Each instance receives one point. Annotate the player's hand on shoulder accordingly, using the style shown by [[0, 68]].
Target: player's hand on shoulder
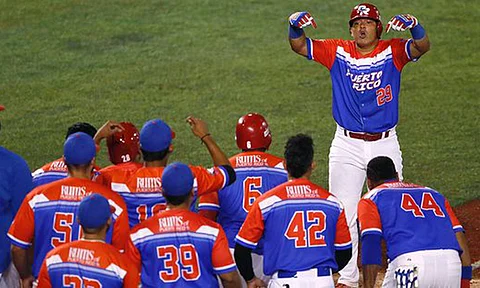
[[198, 126], [255, 283], [302, 20], [401, 22]]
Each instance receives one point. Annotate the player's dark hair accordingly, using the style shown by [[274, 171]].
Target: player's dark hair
[[83, 167], [154, 156], [94, 230], [176, 200], [299, 155], [381, 168], [81, 127]]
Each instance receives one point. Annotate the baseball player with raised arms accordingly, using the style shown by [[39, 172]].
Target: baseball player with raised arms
[[142, 190], [124, 153], [422, 234], [46, 218], [303, 226], [365, 74], [89, 262], [257, 172], [177, 247]]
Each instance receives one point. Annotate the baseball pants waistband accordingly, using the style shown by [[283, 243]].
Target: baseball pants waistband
[[369, 137], [314, 272]]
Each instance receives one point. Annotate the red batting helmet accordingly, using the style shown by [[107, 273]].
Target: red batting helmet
[[367, 10], [124, 146], [252, 132]]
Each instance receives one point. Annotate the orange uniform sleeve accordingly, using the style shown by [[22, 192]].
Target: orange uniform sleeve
[[400, 48], [369, 217], [252, 229], [133, 256], [43, 276], [209, 201], [209, 180], [457, 226], [222, 259], [132, 279], [21, 231], [121, 229], [323, 51], [342, 234]]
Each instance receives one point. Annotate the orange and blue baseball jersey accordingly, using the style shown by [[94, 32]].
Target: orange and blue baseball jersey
[[116, 173], [53, 171], [365, 87], [409, 217], [142, 191], [87, 263], [47, 217], [179, 248], [301, 224], [257, 173]]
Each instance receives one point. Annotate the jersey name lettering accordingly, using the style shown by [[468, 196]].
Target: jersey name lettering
[[364, 82], [301, 191], [145, 184], [73, 192]]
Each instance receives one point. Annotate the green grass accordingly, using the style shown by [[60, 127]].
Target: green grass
[[67, 61]]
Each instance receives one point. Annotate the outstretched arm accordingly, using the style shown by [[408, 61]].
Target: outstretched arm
[[421, 43], [296, 36]]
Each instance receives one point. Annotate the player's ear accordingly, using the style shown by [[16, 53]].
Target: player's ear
[[170, 148], [313, 165]]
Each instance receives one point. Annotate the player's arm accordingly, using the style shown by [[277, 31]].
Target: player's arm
[[466, 260], [371, 237], [108, 129], [296, 35], [209, 214], [20, 260], [420, 44], [200, 129], [343, 242], [230, 279], [462, 242]]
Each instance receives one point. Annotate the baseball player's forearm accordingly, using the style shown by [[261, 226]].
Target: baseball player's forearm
[[299, 45], [420, 46], [369, 275], [231, 280], [342, 257], [218, 157], [20, 260], [462, 241], [243, 258]]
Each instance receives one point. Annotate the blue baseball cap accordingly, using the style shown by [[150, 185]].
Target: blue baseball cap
[[156, 136], [79, 148], [177, 180], [94, 211]]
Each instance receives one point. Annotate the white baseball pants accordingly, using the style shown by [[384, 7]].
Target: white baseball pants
[[348, 161], [302, 279], [436, 268]]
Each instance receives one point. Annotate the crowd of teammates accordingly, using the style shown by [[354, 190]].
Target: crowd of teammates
[[255, 215]]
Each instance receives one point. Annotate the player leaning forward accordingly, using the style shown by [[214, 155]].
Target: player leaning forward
[[365, 75]]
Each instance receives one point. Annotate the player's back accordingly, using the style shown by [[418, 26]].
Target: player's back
[[257, 172], [50, 172], [87, 263], [179, 248], [118, 173], [413, 218], [303, 223], [142, 192], [53, 210], [53, 171]]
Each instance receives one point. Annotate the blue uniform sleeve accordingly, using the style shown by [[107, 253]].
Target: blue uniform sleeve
[[371, 249]]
